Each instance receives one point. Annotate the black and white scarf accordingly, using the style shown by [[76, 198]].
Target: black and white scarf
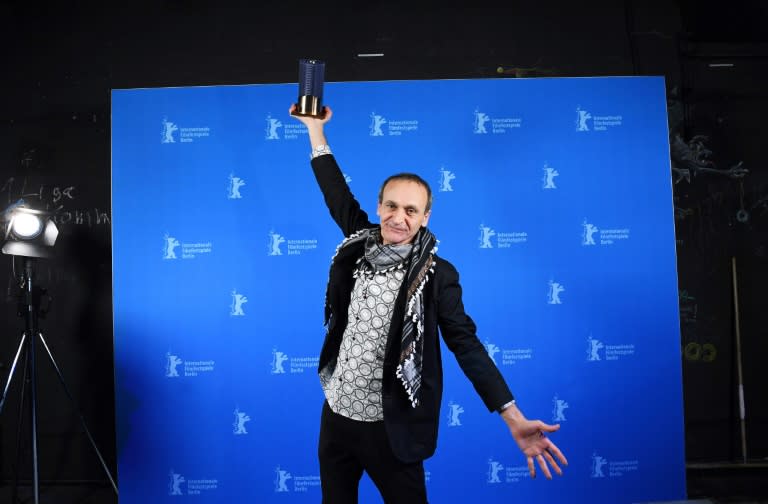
[[419, 258]]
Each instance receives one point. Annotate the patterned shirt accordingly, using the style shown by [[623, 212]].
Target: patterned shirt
[[354, 388]]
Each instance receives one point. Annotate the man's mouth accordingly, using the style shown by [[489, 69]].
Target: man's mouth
[[397, 230]]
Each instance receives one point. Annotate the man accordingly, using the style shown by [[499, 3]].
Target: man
[[388, 293]]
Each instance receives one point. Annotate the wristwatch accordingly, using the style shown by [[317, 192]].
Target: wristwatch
[[506, 405], [320, 150]]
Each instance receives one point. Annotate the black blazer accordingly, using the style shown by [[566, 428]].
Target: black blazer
[[412, 432]]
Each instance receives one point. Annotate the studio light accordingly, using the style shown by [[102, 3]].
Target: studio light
[[28, 232], [26, 226]]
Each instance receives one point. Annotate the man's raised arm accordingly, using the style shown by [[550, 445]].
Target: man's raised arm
[[340, 201]]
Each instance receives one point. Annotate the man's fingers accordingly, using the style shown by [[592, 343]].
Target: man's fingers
[[554, 449], [531, 467], [552, 463], [543, 465], [548, 427]]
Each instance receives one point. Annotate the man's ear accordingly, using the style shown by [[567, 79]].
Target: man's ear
[[426, 219]]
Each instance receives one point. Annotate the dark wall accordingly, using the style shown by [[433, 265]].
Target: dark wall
[[61, 61]]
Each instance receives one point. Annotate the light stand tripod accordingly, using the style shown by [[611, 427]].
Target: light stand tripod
[[27, 346]]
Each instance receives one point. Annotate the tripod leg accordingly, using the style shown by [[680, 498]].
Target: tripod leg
[[20, 422], [82, 420], [11, 372], [33, 412]]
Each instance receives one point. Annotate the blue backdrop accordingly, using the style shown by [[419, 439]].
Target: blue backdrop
[[552, 198]]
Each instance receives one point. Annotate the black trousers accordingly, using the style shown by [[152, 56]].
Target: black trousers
[[349, 447]]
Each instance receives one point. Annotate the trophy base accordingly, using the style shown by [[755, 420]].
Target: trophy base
[[309, 106]]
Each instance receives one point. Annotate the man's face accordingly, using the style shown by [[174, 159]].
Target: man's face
[[402, 211]]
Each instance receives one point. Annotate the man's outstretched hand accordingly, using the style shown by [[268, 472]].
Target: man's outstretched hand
[[531, 438]]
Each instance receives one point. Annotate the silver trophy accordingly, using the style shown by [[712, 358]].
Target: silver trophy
[[311, 77]]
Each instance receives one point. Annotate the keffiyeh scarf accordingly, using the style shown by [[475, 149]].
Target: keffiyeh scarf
[[419, 259]]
